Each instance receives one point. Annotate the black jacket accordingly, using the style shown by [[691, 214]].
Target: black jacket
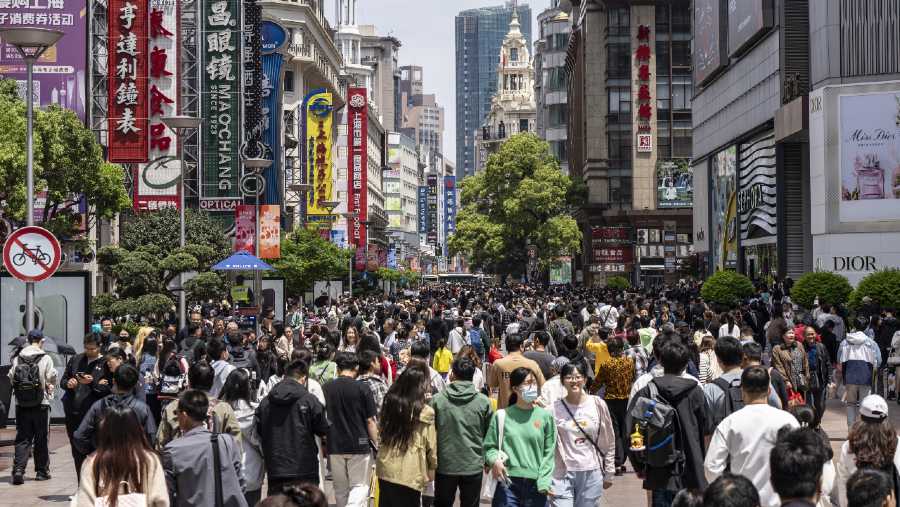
[[77, 401], [693, 412], [288, 420], [84, 438]]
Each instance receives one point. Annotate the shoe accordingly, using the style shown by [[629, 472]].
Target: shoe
[[42, 476], [620, 471], [18, 479]]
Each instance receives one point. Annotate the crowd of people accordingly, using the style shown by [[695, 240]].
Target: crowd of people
[[529, 396]]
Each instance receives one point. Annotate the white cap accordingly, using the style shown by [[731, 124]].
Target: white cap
[[873, 407]]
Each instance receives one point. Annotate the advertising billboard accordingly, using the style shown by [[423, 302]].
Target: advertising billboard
[[357, 161], [674, 184], [561, 271], [269, 231], [59, 74], [747, 19], [156, 183], [127, 63], [319, 114], [724, 209], [422, 209], [245, 228], [449, 208], [708, 39], [392, 204], [272, 37], [220, 106], [757, 198], [432, 234], [870, 157]]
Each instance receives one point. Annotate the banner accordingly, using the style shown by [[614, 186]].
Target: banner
[[272, 38], [422, 209], [220, 106], [59, 74], [723, 209], [357, 161], [156, 183], [561, 271], [269, 231], [449, 209], [674, 184], [245, 228], [252, 72], [319, 116], [432, 235], [127, 80]]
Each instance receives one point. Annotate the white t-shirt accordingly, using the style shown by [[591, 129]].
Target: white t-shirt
[[734, 332], [746, 438], [573, 448]]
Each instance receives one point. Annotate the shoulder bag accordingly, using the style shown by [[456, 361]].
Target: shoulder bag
[[217, 462], [489, 484], [593, 442]]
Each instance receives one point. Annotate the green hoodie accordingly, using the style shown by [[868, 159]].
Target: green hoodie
[[462, 416]]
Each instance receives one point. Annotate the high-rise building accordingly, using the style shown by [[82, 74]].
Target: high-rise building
[[422, 119], [381, 53], [550, 90], [479, 35]]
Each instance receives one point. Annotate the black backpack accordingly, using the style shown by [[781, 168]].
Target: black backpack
[[733, 400], [26, 381], [660, 425]]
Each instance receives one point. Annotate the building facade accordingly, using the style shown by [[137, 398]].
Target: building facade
[[401, 184], [550, 90], [422, 118], [479, 35], [629, 137], [513, 108], [381, 53]]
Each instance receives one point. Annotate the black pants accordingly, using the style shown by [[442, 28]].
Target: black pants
[[815, 399], [617, 412], [395, 495], [277, 485], [155, 407], [445, 487], [253, 497], [32, 429], [72, 423]]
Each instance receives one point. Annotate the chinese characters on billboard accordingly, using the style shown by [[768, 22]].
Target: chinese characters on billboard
[[128, 80], [357, 159], [612, 249], [245, 228], [432, 235], [422, 209], [269, 231], [645, 89], [449, 208], [272, 37], [319, 117]]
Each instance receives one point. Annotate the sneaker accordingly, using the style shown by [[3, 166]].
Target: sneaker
[[42, 476], [18, 479]]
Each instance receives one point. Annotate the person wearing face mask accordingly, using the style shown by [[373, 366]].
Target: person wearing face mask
[[523, 461]]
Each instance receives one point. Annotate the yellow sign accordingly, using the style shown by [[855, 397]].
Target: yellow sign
[[240, 294], [319, 120]]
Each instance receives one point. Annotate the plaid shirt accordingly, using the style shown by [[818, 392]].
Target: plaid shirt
[[641, 359], [378, 386]]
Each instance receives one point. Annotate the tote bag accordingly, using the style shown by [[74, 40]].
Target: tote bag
[[488, 483]]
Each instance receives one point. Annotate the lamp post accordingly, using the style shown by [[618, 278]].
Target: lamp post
[[302, 189], [256, 165], [31, 44], [179, 124]]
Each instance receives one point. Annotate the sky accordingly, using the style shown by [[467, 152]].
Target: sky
[[425, 29]]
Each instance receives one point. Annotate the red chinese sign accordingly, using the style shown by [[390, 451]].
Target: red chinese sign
[[128, 136], [357, 162], [614, 254], [642, 56], [611, 234]]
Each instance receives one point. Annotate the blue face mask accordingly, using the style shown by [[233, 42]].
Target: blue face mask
[[530, 394]]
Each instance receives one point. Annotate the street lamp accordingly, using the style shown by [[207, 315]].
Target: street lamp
[[31, 44], [179, 124], [256, 165]]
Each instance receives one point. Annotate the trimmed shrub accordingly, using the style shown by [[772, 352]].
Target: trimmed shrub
[[829, 287], [618, 283], [882, 286], [726, 288]]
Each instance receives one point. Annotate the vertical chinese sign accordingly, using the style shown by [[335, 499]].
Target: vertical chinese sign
[[646, 89], [318, 118], [449, 209], [272, 38], [220, 106], [432, 236], [128, 80], [269, 231], [245, 228], [357, 160], [156, 184], [422, 209]]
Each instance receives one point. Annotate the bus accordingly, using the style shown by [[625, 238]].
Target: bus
[[459, 278]]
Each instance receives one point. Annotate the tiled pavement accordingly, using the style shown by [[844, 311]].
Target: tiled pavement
[[625, 491]]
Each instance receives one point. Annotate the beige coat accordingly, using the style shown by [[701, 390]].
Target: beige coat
[[413, 467], [156, 492]]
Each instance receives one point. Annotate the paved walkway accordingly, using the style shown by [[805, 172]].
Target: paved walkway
[[626, 490]]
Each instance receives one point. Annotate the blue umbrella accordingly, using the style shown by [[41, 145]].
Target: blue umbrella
[[242, 261]]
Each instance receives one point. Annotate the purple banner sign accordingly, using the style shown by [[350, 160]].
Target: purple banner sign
[[60, 75]]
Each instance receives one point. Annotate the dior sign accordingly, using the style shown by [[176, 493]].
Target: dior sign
[[855, 263]]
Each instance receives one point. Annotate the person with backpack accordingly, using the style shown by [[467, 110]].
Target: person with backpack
[[723, 395], [221, 364], [742, 441], [33, 378], [479, 338], [323, 369], [242, 355], [79, 393], [674, 450], [125, 379], [171, 374]]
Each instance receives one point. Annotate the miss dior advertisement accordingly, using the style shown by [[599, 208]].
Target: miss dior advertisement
[[870, 157]]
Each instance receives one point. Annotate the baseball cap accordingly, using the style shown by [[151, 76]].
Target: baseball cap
[[873, 407], [35, 334]]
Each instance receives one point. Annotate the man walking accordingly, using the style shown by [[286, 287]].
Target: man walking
[[33, 377], [351, 412], [462, 417], [498, 379], [288, 421], [202, 467], [221, 418], [78, 384]]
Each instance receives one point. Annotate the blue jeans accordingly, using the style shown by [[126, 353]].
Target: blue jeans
[[577, 489], [662, 498], [521, 493]]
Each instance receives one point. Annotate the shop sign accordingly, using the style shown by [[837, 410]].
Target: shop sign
[[645, 94], [757, 197], [358, 161], [127, 64], [449, 207]]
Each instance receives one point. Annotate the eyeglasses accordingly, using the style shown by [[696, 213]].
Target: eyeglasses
[[573, 378]]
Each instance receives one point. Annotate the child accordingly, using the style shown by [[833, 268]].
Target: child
[[442, 358]]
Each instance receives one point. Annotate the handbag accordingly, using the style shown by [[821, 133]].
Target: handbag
[[488, 483], [127, 500], [593, 442], [795, 398]]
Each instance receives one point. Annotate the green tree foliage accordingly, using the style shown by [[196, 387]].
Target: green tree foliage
[[521, 197], [307, 257], [829, 287], [618, 283], [148, 259], [726, 288], [882, 286], [68, 164]]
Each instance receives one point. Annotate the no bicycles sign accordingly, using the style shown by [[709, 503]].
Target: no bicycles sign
[[31, 254]]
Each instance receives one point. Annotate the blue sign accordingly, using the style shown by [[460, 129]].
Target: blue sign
[[272, 35], [392, 258], [449, 209], [271, 123], [423, 209]]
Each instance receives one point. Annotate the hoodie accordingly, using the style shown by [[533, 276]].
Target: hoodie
[[85, 436], [288, 420], [859, 356], [462, 417], [221, 369], [695, 423]]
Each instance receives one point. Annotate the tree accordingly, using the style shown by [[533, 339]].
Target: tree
[[68, 165], [306, 257], [726, 288], [520, 198], [882, 286], [618, 283], [828, 287]]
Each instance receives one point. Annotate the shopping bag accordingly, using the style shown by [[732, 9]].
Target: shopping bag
[[488, 483]]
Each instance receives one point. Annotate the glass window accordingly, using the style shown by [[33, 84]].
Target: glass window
[[619, 63], [523, 125], [662, 58], [289, 81], [681, 53], [514, 54]]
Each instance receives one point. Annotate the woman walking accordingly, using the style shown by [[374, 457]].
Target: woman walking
[[709, 363], [790, 359], [585, 441], [819, 372], [522, 460], [237, 393], [617, 376]]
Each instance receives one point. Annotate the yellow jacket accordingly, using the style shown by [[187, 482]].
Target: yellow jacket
[[411, 468], [442, 360]]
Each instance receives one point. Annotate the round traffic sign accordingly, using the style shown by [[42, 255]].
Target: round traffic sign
[[31, 254]]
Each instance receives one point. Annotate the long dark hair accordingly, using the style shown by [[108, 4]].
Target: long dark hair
[[402, 405], [873, 443], [237, 387], [122, 450]]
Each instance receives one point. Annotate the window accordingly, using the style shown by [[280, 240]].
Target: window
[[619, 63], [619, 100], [514, 54], [682, 89], [559, 115], [289, 81], [523, 125], [662, 99], [681, 53], [662, 58]]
